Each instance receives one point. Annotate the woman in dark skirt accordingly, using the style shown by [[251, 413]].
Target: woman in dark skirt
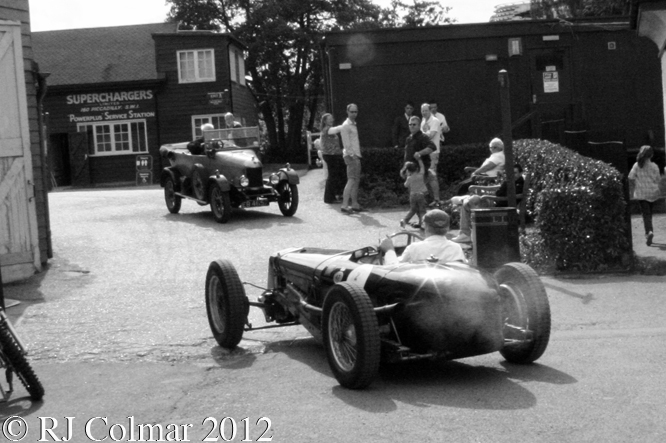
[[332, 152]]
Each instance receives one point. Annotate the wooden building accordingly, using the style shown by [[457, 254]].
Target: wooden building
[[595, 76], [25, 242], [116, 94]]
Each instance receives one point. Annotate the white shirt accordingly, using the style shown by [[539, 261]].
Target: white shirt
[[498, 159], [432, 124], [435, 245], [349, 134], [442, 124]]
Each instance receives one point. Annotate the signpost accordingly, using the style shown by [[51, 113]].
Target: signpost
[[144, 170]]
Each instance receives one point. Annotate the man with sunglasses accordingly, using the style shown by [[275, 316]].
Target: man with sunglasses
[[419, 146]]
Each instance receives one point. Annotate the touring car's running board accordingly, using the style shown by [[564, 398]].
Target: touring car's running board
[[202, 202]]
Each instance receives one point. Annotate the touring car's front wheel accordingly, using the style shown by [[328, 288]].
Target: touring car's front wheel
[[220, 204], [227, 305], [11, 352], [351, 335], [287, 198], [172, 200], [526, 313]]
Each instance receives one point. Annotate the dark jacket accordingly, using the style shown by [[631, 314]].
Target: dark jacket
[[417, 142], [400, 130], [502, 191], [196, 147]]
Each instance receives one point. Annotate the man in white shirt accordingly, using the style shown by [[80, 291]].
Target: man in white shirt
[[443, 125], [352, 155], [430, 126], [435, 246]]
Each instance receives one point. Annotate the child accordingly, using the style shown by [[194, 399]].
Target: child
[[644, 176], [415, 182]]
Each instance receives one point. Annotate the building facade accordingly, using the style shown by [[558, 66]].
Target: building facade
[[116, 94]]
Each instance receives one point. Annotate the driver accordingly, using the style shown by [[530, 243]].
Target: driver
[[196, 146], [434, 245]]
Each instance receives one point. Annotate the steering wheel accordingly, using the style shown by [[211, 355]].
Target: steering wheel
[[400, 245]]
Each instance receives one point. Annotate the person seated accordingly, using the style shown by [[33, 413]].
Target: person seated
[[196, 146], [479, 201], [490, 167], [434, 246]]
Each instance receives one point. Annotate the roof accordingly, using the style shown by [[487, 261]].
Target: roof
[[98, 55]]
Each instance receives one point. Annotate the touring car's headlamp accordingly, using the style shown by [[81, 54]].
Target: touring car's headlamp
[[275, 179], [244, 181]]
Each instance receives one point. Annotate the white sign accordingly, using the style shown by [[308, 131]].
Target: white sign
[[551, 82]]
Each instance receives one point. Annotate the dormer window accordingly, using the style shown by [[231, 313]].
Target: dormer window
[[196, 66]]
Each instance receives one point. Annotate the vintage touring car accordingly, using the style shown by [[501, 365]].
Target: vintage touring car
[[366, 312], [228, 174]]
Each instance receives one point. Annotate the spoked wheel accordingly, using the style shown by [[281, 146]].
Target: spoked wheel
[[19, 364], [198, 184], [288, 198], [227, 305], [172, 200], [526, 313], [351, 335], [220, 204]]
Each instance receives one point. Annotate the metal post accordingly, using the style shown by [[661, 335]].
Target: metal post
[[507, 136]]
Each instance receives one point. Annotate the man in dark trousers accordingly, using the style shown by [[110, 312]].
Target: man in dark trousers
[[400, 130]]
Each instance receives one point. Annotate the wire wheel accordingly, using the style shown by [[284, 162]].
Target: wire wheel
[[220, 204], [287, 198], [173, 201]]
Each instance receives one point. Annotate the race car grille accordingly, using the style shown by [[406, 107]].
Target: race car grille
[[254, 176]]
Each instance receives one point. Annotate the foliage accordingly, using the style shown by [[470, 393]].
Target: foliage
[[283, 42], [549, 9]]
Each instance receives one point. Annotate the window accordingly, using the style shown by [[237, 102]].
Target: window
[[196, 66], [116, 138], [236, 65], [217, 120]]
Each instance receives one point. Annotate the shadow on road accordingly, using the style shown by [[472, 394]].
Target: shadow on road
[[240, 219]]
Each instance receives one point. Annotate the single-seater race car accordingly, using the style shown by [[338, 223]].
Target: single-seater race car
[[228, 174], [366, 312]]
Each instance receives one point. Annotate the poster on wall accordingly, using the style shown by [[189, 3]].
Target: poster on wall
[[107, 106], [551, 82]]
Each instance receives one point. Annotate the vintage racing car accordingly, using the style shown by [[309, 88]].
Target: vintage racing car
[[366, 312], [227, 175]]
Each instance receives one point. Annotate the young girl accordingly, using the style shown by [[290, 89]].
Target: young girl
[[644, 176], [415, 182]]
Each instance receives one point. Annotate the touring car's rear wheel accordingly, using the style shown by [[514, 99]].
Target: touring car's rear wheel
[[227, 305], [16, 359], [351, 335], [172, 200], [526, 313], [287, 198], [198, 183], [220, 204]]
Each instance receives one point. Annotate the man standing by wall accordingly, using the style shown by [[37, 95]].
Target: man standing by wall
[[430, 126], [443, 125], [352, 155], [400, 128]]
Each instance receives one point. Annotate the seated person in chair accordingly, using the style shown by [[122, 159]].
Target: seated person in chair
[[484, 201], [196, 146], [434, 246], [490, 167]]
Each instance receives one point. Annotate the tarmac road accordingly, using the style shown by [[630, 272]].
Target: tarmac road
[[117, 328]]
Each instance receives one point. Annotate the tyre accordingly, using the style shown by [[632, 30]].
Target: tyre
[[288, 198], [351, 335], [16, 359], [172, 200], [226, 303], [220, 204], [199, 184], [525, 307]]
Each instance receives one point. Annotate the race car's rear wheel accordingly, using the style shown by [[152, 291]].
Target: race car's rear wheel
[[288, 198], [220, 204], [172, 200], [526, 313], [16, 359], [227, 305], [351, 335]]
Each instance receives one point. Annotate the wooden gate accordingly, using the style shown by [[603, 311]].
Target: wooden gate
[[19, 243]]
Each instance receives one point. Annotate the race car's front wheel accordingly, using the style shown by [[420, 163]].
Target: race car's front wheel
[[287, 198], [351, 335], [11, 352], [172, 200], [526, 313], [227, 305], [220, 204]]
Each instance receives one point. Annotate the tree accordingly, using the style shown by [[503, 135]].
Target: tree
[[548, 9], [283, 40]]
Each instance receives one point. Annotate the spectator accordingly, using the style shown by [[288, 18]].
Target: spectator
[[430, 126], [443, 125], [400, 130], [490, 167], [435, 246], [196, 146], [418, 145], [644, 178], [332, 153], [230, 122], [476, 201], [415, 182], [352, 155]]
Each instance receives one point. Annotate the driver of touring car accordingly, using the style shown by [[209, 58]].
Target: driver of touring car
[[435, 244]]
